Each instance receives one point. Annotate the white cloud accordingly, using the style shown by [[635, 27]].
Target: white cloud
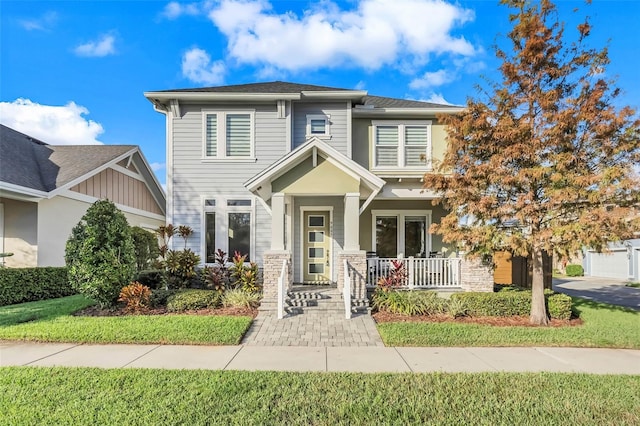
[[103, 46], [198, 67], [437, 98], [375, 34], [43, 23], [156, 167], [433, 79], [174, 9], [55, 125]]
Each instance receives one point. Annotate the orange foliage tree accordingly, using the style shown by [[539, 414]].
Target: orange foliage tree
[[547, 148]]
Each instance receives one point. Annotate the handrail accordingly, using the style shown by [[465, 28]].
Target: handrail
[[281, 290], [346, 291]]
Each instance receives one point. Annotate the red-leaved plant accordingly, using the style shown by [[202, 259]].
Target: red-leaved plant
[[397, 276]]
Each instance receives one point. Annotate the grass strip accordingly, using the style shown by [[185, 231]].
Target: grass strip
[[605, 326], [50, 321], [82, 396]]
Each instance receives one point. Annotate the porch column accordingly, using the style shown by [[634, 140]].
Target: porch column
[[277, 221], [352, 221]]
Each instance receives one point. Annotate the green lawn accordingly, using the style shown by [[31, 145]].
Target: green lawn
[[50, 321], [147, 397], [605, 326]]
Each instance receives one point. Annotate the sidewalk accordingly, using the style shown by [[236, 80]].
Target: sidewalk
[[296, 358]]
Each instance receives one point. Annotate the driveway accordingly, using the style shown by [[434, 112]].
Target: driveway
[[607, 290]]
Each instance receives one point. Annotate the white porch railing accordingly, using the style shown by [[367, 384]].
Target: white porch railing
[[433, 272], [282, 291], [346, 291]]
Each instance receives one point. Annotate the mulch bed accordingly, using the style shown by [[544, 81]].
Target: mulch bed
[[381, 317], [95, 311]]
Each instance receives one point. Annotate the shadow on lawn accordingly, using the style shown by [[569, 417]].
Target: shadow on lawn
[[579, 303]]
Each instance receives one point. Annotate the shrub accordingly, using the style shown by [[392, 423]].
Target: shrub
[[408, 302], [191, 299], [397, 276], [159, 297], [574, 270], [136, 296], [181, 267], [238, 298], [19, 285], [456, 308], [152, 278], [559, 306], [145, 245], [100, 254], [242, 276], [510, 303]]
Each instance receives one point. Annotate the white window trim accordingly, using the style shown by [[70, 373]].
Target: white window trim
[[401, 215], [222, 211], [221, 134], [401, 145], [327, 125]]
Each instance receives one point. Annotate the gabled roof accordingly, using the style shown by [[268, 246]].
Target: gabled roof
[[33, 164], [31, 167], [260, 184]]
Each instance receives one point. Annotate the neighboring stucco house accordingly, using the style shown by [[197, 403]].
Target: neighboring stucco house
[[311, 177], [46, 189]]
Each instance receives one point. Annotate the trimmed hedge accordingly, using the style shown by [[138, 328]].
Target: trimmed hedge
[[185, 300], [574, 270], [511, 303], [19, 285]]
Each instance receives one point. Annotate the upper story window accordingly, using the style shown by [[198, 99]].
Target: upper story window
[[228, 134], [318, 125], [404, 144]]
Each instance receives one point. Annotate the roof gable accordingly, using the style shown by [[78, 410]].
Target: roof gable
[[261, 183], [29, 166]]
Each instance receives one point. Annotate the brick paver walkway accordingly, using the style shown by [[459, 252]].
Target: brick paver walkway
[[319, 328]]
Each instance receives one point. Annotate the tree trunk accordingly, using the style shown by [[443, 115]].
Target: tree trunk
[[538, 306]]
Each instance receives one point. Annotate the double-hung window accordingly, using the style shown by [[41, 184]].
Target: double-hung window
[[229, 226], [228, 134], [404, 145]]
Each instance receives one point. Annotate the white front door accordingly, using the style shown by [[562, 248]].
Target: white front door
[[316, 245]]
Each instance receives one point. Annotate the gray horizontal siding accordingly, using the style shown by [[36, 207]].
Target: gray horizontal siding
[[338, 118], [194, 178]]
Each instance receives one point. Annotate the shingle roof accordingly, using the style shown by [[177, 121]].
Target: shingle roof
[[382, 102], [267, 87], [285, 87], [30, 163]]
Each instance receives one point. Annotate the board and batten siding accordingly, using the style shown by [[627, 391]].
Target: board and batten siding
[[195, 177], [337, 112], [119, 188]]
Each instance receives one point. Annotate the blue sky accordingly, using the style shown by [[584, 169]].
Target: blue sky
[[74, 72]]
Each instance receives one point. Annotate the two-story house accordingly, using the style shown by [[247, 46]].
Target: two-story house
[[311, 177]]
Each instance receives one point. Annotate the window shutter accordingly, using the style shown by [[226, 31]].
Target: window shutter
[[212, 135], [238, 135], [415, 141], [387, 146]]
